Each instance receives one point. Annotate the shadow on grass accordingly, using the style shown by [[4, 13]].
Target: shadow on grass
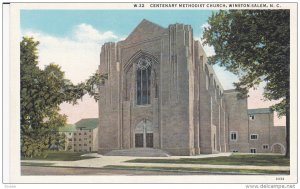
[[257, 160], [60, 156], [36, 164], [200, 170]]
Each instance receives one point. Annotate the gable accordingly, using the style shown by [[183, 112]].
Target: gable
[[67, 128], [145, 30]]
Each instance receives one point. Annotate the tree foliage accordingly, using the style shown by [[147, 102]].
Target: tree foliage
[[254, 44], [42, 91]]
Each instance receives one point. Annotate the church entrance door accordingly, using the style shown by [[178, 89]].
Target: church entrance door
[[149, 140], [139, 140], [144, 134]]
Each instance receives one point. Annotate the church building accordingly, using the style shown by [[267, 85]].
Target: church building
[[162, 94]]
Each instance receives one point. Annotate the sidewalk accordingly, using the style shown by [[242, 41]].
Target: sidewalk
[[103, 161]]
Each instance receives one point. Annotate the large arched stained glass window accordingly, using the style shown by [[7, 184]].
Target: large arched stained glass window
[[143, 81]]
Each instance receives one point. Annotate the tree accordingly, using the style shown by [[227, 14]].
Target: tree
[[42, 91], [57, 141], [255, 45]]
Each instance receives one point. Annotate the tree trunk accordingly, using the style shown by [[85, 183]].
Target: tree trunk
[[287, 127], [287, 152]]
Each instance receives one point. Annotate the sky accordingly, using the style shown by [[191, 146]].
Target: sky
[[73, 40]]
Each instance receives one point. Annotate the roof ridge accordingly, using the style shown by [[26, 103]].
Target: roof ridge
[[144, 21]]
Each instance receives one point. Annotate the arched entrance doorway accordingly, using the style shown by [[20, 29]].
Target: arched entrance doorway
[[143, 134], [278, 148]]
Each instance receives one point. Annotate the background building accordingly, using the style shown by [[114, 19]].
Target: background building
[[69, 131], [86, 135], [237, 115], [264, 137], [82, 136]]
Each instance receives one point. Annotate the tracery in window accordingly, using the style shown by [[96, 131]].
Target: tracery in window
[[143, 81]]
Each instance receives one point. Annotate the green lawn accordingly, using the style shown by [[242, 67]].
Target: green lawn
[[60, 156], [200, 170], [259, 160]]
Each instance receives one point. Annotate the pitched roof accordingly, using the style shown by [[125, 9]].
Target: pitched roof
[[67, 128], [145, 30], [88, 123], [260, 111]]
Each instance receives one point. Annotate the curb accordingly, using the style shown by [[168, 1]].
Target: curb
[[155, 169]]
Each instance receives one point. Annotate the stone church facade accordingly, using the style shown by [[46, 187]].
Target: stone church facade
[[161, 93]]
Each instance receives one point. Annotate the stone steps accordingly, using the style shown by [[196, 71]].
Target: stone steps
[[138, 152]]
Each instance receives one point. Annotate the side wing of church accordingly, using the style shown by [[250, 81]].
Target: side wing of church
[[161, 93]]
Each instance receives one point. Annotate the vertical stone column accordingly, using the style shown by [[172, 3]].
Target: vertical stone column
[[144, 135], [119, 106], [225, 135], [109, 104], [197, 63], [219, 124], [132, 104]]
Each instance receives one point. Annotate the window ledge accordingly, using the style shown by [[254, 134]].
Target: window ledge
[[143, 106]]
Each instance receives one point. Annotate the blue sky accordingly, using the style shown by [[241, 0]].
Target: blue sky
[[61, 22]]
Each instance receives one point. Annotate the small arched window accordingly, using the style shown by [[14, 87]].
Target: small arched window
[[143, 81]]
